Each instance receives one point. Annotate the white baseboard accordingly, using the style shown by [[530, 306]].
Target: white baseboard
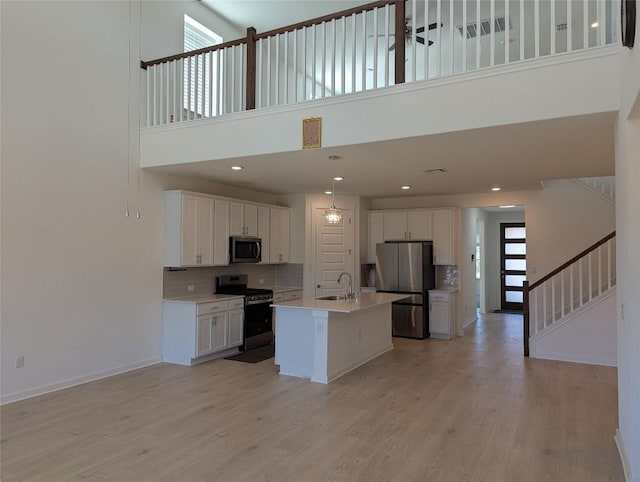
[[352, 366], [469, 322], [626, 467], [569, 358], [53, 387]]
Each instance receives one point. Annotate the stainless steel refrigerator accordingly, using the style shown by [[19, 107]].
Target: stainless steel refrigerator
[[407, 268]]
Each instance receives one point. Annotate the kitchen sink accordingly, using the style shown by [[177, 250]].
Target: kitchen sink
[[331, 298]]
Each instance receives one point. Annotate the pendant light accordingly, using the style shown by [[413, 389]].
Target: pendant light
[[333, 215]]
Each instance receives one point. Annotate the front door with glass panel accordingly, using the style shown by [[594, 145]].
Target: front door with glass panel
[[513, 264]]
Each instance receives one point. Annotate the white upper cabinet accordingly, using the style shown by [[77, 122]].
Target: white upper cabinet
[[395, 225], [243, 220], [443, 236], [188, 230], [375, 232], [419, 225], [221, 232], [279, 242], [407, 225], [198, 226], [264, 232], [437, 225]]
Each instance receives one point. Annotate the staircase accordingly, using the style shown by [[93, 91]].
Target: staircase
[[569, 314]]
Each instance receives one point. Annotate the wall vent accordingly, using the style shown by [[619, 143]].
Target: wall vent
[[485, 27]]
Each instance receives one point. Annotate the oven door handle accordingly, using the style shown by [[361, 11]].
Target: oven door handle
[[260, 302], [257, 250]]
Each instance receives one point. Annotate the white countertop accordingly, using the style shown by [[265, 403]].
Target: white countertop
[[367, 300], [202, 298], [450, 289]]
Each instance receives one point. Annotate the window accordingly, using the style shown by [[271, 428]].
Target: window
[[201, 72]]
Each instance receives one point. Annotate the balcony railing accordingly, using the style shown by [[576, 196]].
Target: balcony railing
[[374, 46]]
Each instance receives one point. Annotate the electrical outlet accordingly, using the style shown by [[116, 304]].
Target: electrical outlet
[[19, 361], [191, 288]]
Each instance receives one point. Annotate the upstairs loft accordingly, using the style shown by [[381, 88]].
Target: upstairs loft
[[386, 71]]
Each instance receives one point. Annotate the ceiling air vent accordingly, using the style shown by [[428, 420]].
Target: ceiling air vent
[[485, 27]]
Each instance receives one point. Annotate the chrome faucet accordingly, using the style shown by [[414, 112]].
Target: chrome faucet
[[349, 294]]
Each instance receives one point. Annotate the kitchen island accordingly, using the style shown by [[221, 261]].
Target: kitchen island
[[324, 339]]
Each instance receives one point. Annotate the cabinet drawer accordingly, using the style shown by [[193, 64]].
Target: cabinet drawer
[[212, 307], [292, 295], [237, 303], [278, 297], [439, 297]]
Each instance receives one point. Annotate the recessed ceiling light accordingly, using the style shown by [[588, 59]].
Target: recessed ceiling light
[[338, 178], [237, 168], [406, 187], [595, 24], [507, 206], [328, 192], [496, 189]]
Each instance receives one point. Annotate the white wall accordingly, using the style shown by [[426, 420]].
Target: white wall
[[628, 261], [81, 283], [467, 267], [573, 219], [163, 28], [585, 336]]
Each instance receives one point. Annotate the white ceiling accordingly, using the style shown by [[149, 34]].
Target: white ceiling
[[271, 14], [515, 157]]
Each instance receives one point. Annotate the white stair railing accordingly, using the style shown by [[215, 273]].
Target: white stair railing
[[374, 46], [603, 185], [570, 287]]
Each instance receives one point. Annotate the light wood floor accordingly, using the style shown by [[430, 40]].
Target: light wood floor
[[472, 409]]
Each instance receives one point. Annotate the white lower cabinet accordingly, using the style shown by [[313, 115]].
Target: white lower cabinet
[[236, 327], [212, 333], [442, 315], [193, 330]]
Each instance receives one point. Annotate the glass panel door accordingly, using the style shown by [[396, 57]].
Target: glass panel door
[[513, 264]]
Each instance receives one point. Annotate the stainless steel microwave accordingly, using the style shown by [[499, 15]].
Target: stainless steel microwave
[[245, 250]]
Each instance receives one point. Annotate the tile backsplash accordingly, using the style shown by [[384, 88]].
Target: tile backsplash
[[289, 274], [175, 282], [447, 276]]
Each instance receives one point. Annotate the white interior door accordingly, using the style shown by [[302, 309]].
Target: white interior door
[[334, 252]]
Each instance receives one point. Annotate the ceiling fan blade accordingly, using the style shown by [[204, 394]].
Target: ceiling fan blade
[[430, 43], [393, 47], [420, 40], [420, 30], [434, 25]]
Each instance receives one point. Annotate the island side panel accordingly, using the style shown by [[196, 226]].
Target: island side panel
[[295, 342], [356, 338]]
